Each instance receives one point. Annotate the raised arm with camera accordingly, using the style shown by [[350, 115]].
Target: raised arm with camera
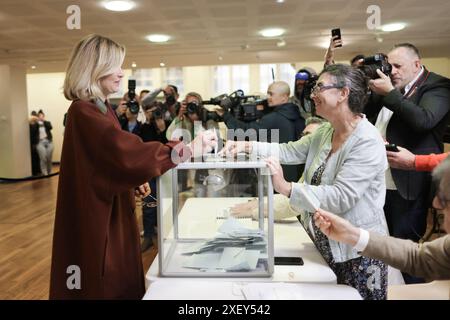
[[417, 96]]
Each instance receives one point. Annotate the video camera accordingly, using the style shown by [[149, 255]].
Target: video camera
[[132, 104], [242, 107], [377, 61]]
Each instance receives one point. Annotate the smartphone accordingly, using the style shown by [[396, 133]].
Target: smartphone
[[289, 261], [336, 32], [392, 147]]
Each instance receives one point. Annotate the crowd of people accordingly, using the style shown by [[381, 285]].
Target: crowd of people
[[330, 139]]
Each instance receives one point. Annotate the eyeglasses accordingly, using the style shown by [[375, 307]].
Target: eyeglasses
[[321, 87]]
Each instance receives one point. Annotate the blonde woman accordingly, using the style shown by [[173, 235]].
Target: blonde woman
[[96, 249]]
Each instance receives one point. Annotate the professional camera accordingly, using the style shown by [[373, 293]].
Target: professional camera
[[132, 104], [242, 107], [157, 114], [204, 115], [193, 107], [377, 61], [309, 86]]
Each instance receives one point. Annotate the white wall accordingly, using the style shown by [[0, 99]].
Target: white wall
[[15, 155]]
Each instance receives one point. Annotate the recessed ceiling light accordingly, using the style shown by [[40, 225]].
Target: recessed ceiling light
[[162, 64], [281, 43], [134, 65], [33, 67], [119, 5], [158, 38], [280, 1], [272, 32], [393, 27]]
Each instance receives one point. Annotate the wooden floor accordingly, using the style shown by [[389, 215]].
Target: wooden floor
[[26, 229]]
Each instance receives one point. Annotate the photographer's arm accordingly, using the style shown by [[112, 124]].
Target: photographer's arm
[[150, 97]]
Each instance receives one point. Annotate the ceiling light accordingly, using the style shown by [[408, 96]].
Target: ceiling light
[[162, 64], [280, 1], [220, 58], [273, 32], [33, 67], [393, 27], [281, 43], [158, 38], [133, 65], [116, 5]]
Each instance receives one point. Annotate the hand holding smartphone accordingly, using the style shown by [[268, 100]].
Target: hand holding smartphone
[[336, 35], [392, 147]]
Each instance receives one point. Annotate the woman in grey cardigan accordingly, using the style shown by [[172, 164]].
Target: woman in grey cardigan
[[345, 161]]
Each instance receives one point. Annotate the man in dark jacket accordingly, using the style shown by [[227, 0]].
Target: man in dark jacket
[[285, 118], [41, 139], [411, 110]]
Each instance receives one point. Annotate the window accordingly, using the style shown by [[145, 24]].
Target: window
[[240, 78], [143, 78], [267, 72], [174, 76], [287, 74], [231, 78], [221, 80], [280, 72]]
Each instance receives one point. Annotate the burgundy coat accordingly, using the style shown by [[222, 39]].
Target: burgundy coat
[[95, 222]]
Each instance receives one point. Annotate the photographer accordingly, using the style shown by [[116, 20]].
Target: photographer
[[154, 129], [192, 119], [285, 117], [410, 108], [170, 105], [305, 79], [128, 119]]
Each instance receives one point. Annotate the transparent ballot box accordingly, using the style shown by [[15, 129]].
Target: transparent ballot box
[[198, 233]]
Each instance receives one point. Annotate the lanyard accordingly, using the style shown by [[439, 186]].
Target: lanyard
[[417, 84]]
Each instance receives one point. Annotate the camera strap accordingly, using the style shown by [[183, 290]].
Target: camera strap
[[417, 84]]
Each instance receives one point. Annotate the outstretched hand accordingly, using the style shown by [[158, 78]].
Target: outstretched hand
[[336, 228]]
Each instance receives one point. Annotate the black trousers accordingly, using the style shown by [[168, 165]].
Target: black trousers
[[406, 219]]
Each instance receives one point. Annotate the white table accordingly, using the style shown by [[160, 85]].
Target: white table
[[182, 289], [313, 280]]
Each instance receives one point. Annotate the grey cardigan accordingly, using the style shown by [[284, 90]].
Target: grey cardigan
[[353, 182]]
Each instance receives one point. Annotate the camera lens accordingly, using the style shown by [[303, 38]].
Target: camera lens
[[133, 106], [192, 107]]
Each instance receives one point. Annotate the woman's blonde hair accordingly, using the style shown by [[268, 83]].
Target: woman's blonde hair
[[93, 58]]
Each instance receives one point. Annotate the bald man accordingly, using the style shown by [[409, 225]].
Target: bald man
[[285, 118], [410, 108]]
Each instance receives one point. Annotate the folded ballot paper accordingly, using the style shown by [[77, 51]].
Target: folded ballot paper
[[236, 248], [307, 199]]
